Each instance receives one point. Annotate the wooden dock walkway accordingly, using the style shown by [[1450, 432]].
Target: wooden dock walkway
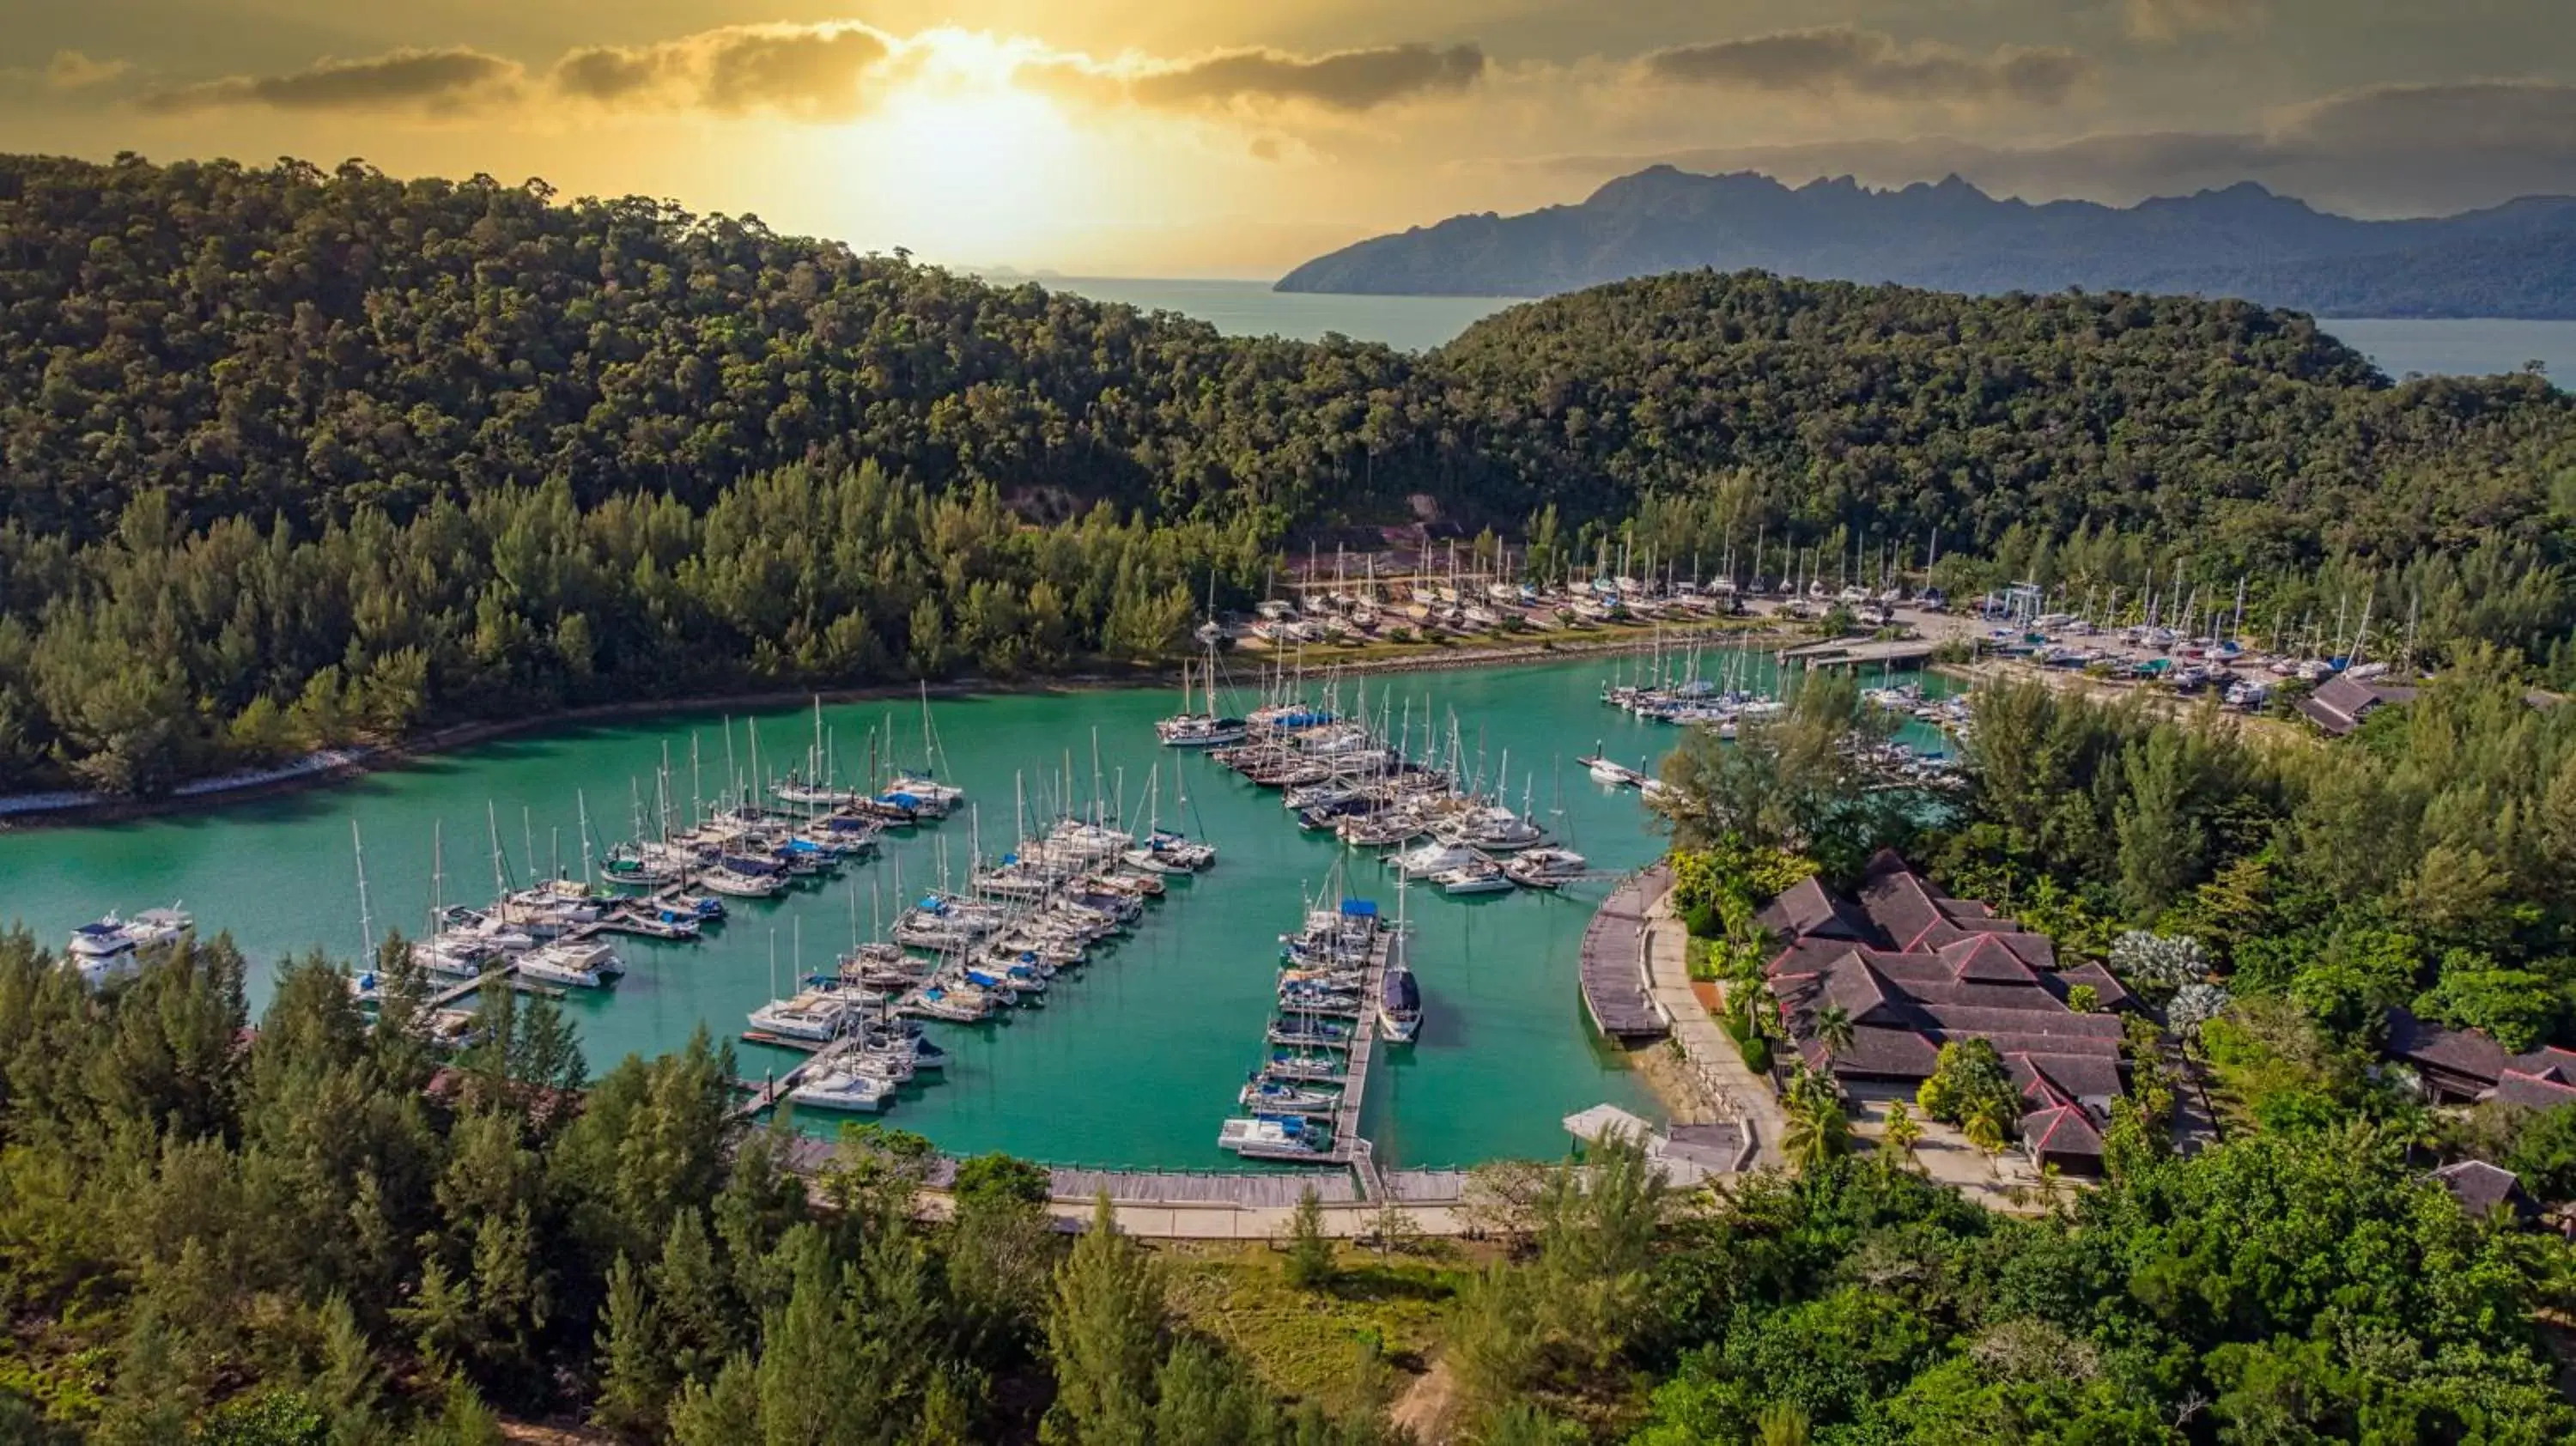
[[1614, 960]]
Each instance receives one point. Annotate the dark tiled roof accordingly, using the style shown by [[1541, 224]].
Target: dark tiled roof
[[2065, 1078], [1959, 973], [2534, 1091], [2061, 1130], [2481, 1187], [2461, 1052], [1807, 909], [2107, 991], [1877, 1053], [2342, 701], [1985, 960], [1896, 899]]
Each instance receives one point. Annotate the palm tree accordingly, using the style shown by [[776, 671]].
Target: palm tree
[[1901, 1133], [1986, 1135], [1833, 1029], [1818, 1132]]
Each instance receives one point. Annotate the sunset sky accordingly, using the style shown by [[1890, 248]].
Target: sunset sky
[[1094, 137]]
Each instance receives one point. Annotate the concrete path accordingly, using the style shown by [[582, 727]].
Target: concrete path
[[1736, 1093], [1220, 1222]]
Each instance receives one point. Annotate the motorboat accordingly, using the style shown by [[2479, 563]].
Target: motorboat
[[811, 1014], [1480, 877], [1434, 857], [843, 1089], [1545, 868], [1273, 1135], [584, 965]]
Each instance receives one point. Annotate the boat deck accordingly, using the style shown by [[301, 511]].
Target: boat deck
[[1614, 960]]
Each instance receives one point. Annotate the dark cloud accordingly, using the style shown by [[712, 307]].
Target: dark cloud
[[812, 71], [2165, 20], [2382, 151], [433, 80], [1841, 60], [1343, 80]]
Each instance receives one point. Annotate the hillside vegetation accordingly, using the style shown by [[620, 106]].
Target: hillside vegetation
[[290, 458]]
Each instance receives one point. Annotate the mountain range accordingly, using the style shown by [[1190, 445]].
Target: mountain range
[[2515, 260]]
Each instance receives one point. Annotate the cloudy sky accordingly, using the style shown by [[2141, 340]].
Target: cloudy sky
[[1204, 137]]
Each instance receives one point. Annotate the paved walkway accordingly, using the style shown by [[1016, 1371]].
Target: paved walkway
[[1216, 1222], [1735, 1092]]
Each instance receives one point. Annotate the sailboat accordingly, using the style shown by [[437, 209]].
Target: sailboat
[[1208, 729], [1399, 1003], [922, 792]]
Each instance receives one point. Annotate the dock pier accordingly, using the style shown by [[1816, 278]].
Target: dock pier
[[1348, 1149]]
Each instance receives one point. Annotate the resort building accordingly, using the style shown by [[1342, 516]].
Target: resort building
[[2342, 701], [2464, 1066], [1912, 969]]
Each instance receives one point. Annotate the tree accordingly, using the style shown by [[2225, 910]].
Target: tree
[[1818, 1131], [1780, 1424], [635, 1381], [1969, 1083], [2161, 838], [1901, 1132], [1105, 1333], [1833, 1028], [723, 1412], [1204, 1398], [1811, 780], [1310, 1250]]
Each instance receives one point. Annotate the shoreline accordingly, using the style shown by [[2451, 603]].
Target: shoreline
[[384, 757]]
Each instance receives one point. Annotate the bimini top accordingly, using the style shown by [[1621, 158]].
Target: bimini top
[[1360, 908], [1403, 995]]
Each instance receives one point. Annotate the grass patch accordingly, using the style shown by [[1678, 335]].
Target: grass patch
[[1307, 1344]]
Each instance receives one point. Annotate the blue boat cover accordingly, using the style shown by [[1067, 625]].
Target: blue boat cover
[[1360, 908]]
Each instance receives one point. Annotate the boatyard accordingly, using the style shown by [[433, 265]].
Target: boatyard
[[1135, 1056]]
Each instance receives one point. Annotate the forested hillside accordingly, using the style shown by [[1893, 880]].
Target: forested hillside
[[291, 458], [282, 342]]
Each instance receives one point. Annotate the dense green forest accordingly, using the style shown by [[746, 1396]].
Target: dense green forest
[[311, 1233], [296, 458]]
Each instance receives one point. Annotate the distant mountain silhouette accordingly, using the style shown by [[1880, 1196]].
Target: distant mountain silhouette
[[2514, 260]]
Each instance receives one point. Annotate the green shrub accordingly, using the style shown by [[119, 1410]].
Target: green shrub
[[1757, 1053]]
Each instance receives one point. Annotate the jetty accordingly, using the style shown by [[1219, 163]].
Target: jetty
[[1614, 961], [1348, 1148], [1860, 653]]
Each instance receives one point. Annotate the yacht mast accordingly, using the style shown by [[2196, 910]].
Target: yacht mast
[[366, 921]]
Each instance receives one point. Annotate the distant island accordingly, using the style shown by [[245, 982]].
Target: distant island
[[2517, 260]]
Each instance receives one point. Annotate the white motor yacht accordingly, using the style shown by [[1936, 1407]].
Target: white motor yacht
[[843, 1089], [583, 965], [1435, 857]]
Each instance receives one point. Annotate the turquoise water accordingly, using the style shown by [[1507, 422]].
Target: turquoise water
[[2465, 347], [1136, 1058]]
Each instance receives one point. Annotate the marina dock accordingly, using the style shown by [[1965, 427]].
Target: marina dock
[[1614, 961], [1347, 1147]]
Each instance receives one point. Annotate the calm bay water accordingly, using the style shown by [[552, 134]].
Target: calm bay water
[[1417, 323], [1136, 1058]]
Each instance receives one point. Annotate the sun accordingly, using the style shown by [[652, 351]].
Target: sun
[[970, 165]]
